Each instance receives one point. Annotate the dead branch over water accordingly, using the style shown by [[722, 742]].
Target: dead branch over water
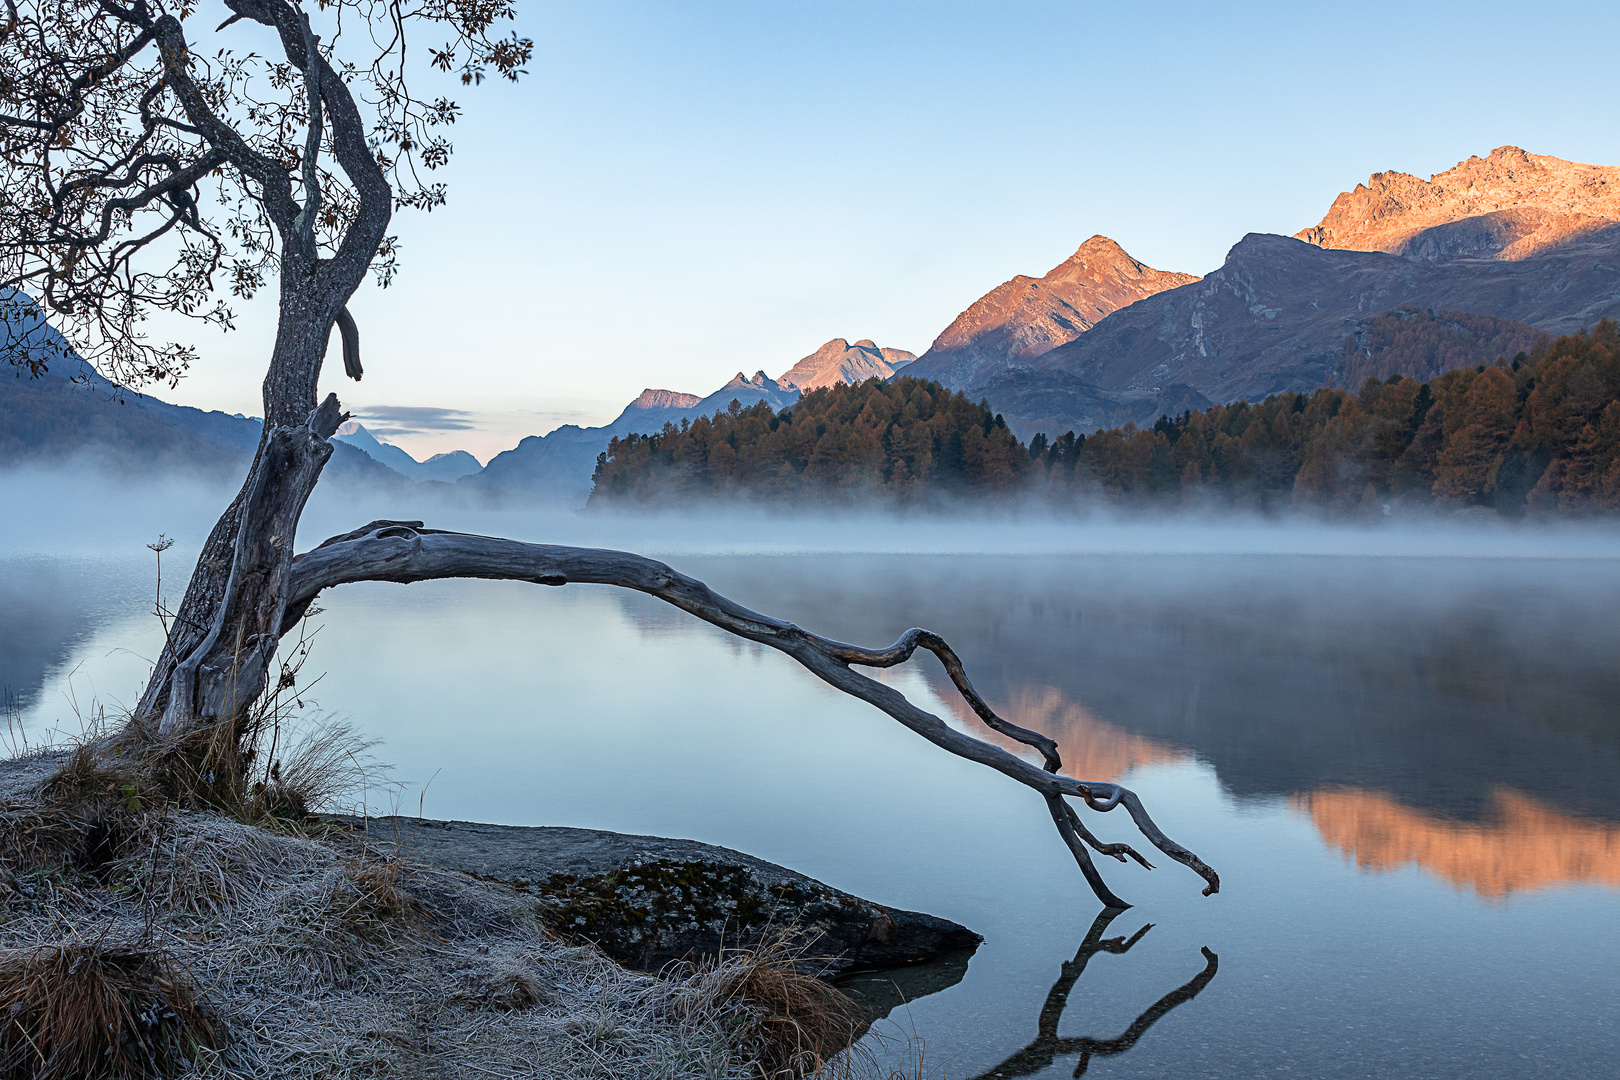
[[406, 551]]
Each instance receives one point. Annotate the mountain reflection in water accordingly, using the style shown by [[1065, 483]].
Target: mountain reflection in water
[[1400, 765], [1092, 748], [1458, 715], [1521, 844], [1526, 846]]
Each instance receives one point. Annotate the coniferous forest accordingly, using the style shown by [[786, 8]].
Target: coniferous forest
[[1538, 434]]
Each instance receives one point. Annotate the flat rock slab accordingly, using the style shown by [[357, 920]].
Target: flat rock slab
[[647, 900]]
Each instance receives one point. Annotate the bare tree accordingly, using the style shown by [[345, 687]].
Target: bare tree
[[144, 173]]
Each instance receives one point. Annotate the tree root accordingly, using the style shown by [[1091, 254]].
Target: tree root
[[405, 551]]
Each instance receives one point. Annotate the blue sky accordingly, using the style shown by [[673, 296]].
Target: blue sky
[[679, 191]]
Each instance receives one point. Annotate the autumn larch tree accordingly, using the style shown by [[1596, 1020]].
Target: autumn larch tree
[[145, 171]]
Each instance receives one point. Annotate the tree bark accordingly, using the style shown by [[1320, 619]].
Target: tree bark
[[228, 668], [229, 604], [283, 456]]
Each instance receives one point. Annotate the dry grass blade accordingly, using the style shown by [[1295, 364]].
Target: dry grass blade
[[323, 766], [368, 897], [89, 1009], [790, 1023]]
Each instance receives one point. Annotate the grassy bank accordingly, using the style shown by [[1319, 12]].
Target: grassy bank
[[146, 933]]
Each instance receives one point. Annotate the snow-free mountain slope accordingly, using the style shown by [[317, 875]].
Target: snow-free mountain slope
[[71, 412], [558, 465], [840, 362], [1275, 317], [447, 468], [1507, 205], [1026, 317], [663, 399]]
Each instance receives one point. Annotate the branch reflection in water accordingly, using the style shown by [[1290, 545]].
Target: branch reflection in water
[[1048, 1047]]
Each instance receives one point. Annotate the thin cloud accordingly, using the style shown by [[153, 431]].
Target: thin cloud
[[413, 419]]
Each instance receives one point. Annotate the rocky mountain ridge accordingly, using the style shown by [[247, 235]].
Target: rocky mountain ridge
[[1275, 318], [840, 362], [447, 468], [1526, 240], [558, 465], [1529, 241], [1508, 205], [1026, 317], [664, 399]]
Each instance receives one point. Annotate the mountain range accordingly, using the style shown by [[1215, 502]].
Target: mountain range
[[446, 468], [1401, 273], [840, 362], [1508, 205], [559, 465], [71, 412], [1514, 236]]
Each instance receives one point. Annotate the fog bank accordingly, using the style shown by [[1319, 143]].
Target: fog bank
[[80, 510]]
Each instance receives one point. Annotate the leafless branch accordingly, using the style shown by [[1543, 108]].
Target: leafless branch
[[407, 552]]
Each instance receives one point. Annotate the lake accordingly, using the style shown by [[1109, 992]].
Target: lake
[[1400, 751]]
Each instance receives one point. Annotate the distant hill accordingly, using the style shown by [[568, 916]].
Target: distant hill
[[1026, 317], [69, 412], [52, 418], [840, 362], [1538, 434], [445, 468], [558, 465], [909, 440]]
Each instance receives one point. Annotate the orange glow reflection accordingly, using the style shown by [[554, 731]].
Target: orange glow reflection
[[1525, 846], [1091, 747]]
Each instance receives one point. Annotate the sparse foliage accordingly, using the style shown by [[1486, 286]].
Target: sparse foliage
[[145, 169], [149, 161]]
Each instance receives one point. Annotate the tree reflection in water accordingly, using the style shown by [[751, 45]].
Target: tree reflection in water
[[1047, 1046]]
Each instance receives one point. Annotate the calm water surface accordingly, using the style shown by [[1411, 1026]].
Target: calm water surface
[[1406, 770]]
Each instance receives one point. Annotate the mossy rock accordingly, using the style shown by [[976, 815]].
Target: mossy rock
[[647, 901]]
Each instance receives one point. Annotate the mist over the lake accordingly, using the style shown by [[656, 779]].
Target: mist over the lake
[[83, 506], [1396, 740]]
